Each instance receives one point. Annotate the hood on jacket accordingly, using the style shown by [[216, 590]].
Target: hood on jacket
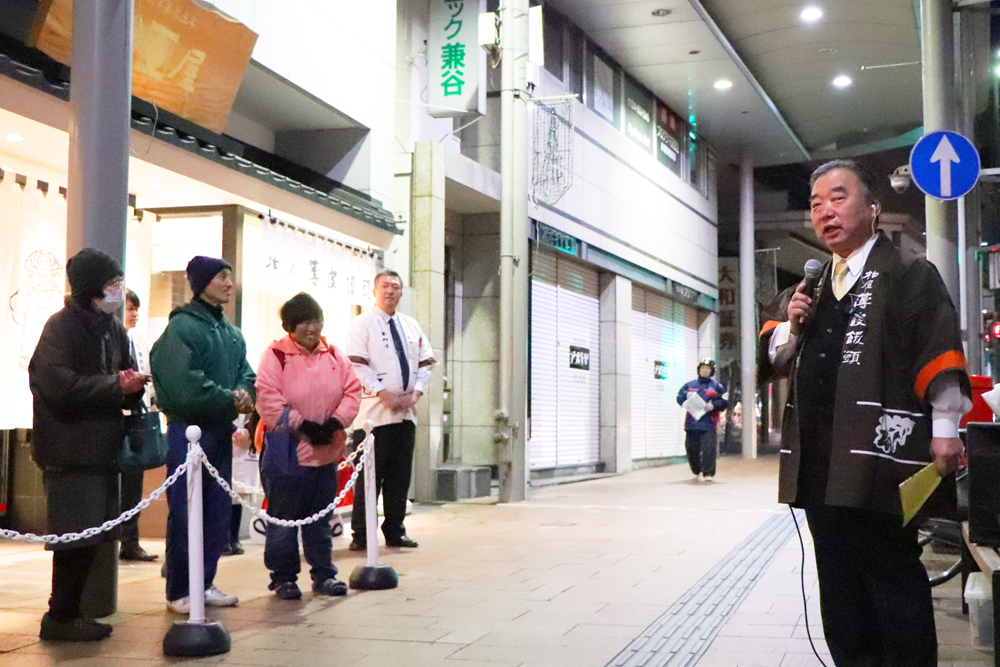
[[290, 347]]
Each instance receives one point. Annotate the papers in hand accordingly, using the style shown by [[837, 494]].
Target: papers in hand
[[914, 491], [696, 405]]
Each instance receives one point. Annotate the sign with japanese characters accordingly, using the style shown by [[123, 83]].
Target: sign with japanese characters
[[553, 238], [579, 358], [455, 63], [729, 311], [669, 138], [186, 58], [639, 109], [661, 370]]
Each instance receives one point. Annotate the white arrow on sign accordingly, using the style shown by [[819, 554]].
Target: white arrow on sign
[[945, 154]]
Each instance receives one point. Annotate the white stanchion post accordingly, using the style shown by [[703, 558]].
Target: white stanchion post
[[196, 636], [373, 575]]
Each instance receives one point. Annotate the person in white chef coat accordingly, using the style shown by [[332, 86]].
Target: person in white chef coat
[[393, 359]]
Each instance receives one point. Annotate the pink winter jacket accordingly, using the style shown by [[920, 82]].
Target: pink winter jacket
[[316, 386]]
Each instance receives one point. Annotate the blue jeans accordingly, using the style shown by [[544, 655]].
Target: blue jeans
[[298, 497], [216, 441]]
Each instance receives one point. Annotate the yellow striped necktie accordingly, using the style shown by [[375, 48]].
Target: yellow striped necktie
[[840, 279]]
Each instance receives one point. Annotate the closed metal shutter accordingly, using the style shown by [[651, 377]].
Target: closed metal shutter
[[668, 335], [565, 391]]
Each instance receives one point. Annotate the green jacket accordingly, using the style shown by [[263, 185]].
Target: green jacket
[[197, 364]]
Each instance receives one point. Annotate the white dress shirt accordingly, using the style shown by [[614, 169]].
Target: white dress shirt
[[371, 348], [948, 404]]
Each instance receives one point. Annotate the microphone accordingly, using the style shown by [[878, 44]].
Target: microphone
[[812, 268]]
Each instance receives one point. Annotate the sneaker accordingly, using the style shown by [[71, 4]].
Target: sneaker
[[180, 605], [331, 586], [236, 548], [287, 590], [76, 630], [216, 598]]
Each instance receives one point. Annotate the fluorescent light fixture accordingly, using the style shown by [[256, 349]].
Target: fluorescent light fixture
[[155, 186], [14, 137], [842, 81], [660, 13], [723, 84], [811, 14]]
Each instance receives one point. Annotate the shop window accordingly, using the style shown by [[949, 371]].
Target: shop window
[[603, 84]]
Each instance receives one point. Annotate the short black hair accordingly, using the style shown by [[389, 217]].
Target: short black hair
[[387, 273], [866, 177], [132, 298], [300, 308]]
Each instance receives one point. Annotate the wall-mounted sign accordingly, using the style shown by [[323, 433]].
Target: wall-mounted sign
[[639, 109], [660, 371], [669, 138], [186, 59], [685, 293], [604, 89], [454, 59], [561, 241], [579, 358]]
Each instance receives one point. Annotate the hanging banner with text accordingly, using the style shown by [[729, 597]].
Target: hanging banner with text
[[455, 61], [639, 109]]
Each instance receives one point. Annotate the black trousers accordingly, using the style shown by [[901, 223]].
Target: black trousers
[[70, 569], [874, 594], [131, 494], [701, 449], [393, 465]]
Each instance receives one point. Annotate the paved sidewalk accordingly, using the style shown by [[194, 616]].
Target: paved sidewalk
[[570, 577]]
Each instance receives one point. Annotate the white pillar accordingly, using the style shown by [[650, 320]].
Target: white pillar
[[511, 434], [748, 314], [101, 100], [938, 55]]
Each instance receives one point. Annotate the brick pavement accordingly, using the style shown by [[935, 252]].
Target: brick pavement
[[568, 578]]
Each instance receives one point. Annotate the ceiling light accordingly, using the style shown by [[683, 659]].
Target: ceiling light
[[723, 84], [663, 11], [828, 51], [842, 81], [155, 186], [811, 14], [15, 137], [694, 52]]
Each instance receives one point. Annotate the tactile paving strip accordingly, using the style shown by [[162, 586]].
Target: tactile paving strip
[[682, 635]]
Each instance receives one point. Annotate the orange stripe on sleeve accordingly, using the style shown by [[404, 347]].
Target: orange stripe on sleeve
[[946, 361], [770, 324]]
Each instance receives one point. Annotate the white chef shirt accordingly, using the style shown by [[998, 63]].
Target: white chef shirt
[[371, 348]]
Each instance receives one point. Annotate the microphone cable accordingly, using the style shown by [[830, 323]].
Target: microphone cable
[[802, 579]]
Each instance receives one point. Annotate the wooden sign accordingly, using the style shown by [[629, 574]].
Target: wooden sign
[[186, 59]]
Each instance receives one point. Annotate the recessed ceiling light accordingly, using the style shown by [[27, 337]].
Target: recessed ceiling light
[[661, 12], [723, 84], [155, 186], [842, 81], [828, 51], [15, 137], [811, 14]]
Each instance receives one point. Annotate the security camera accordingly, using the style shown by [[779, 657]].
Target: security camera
[[900, 179]]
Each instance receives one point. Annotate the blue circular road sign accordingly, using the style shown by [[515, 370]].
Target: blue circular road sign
[[945, 165]]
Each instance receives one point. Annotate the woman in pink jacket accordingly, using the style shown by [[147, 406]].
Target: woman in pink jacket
[[316, 383]]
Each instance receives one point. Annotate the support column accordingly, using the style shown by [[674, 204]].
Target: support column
[[616, 373], [427, 300], [938, 54], [748, 314], [101, 104], [97, 194], [511, 435]]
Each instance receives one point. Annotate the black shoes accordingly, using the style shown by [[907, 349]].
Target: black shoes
[[136, 553], [357, 545], [332, 587], [233, 549], [76, 630], [403, 542]]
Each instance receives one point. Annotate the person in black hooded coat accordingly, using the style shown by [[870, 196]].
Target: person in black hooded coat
[[81, 377]]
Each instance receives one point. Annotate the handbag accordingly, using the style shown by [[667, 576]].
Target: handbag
[[145, 447], [280, 458]]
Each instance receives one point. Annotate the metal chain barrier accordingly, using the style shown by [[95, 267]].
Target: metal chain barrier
[[353, 457], [107, 525], [260, 514]]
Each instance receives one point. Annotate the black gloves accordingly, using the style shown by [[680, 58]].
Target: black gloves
[[320, 434]]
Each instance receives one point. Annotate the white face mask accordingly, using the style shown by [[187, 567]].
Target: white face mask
[[112, 301]]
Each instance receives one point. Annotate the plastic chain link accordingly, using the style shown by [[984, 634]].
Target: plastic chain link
[[285, 522], [107, 525]]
